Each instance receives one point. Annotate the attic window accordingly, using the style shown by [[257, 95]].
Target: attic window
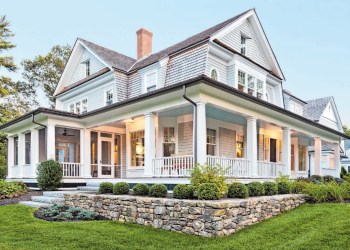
[[243, 44], [151, 81], [109, 97], [87, 67], [214, 74]]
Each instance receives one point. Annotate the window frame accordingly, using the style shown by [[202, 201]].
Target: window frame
[[254, 85], [240, 141], [84, 107], [15, 150], [217, 73], [240, 77], [109, 102], [27, 148], [213, 142], [243, 44], [132, 140], [164, 142], [146, 87]]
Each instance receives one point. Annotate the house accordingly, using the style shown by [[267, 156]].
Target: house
[[216, 98], [345, 161]]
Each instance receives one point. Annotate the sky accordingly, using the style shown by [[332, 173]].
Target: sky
[[311, 39]]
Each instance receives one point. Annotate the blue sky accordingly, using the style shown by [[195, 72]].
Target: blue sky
[[311, 39]]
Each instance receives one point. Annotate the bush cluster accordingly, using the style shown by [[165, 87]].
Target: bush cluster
[[121, 188], [237, 190], [12, 189], [255, 189], [141, 189], [158, 190], [106, 188], [208, 191], [271, 188], [65, 213], [3, 172], [183, 191], [50, 175]]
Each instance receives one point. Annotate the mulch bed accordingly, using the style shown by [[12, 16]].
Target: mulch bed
[[24, 197]]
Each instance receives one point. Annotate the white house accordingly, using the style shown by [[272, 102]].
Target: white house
[[216, 98]]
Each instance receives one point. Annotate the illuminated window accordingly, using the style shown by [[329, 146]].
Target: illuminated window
[[211, 141], [168, 141], [241, 81], [239, 145], [137, 144]]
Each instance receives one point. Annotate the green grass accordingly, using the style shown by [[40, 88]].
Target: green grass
[[322, 226]]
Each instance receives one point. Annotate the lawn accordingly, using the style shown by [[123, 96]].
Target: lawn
[[322, 226]]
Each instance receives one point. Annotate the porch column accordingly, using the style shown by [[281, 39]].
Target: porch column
[[85, 150], [21, 154], [286, 153], [252, 145], [337, 158], [201, 142], [150, 143], [34, 152], [10, 156], [50, 142], [317, 156]]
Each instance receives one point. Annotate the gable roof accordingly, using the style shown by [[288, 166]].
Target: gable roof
[[314, 109]]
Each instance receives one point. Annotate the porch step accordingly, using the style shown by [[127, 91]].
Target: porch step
[[88, 188], [48, 200], [35, 204], [59, 194]]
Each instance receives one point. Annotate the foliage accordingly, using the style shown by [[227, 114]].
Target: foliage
[[49, 175], [327, 192], [208, 191], [255, 189], [303, 179], [346, 177], [64, 213], [158, 190], [298, 187], [209, 174], [44, 71], [343, 172], [183, 191], [141, 189], [270, 188], [346, 130], [339, 180], [284, 184], [11, 189], [237, 190], [106, 188], [121, 188], [316, 178], [327, 178], [3, 173]]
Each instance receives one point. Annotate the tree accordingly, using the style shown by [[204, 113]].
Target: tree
[[346, 130], [45, 71]]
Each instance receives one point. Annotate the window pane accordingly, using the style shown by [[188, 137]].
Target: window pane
[[42, 145], [302, 159], [151, 82], [137, 148], [15, 151], [210, 149], [27, 148], [168, 149], [214, 74], [239, 145], [241, 77], [77, 107]]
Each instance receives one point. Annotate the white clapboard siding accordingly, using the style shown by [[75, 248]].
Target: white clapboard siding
[[233, 39], [185, 137], [271, 93], [79, 71], [221, 68], [227, 143]]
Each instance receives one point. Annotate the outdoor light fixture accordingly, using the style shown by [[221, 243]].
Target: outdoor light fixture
[[129, 121]]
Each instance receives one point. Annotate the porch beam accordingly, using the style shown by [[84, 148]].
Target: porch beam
[[201, 137], [150, 143], [286, 150], [252, 145], [317, 156]]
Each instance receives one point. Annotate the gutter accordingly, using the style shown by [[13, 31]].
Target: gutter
[[194, 123], [33, 121]]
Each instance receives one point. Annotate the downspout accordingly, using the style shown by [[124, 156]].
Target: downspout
[[194, 123], [33, 121]]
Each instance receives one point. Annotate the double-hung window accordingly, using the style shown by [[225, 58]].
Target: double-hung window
[[243, 44], [151, 81], [211, 141], [77, 108], [239, 145], [241, 81], [109, 97], [259, 88], [251, 85], [27, 148], [302, 158], [169, 141], [15, 155], [84, 106], [137, 144], [71, 108]]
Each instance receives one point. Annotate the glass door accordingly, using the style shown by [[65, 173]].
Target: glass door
[[106, 164]]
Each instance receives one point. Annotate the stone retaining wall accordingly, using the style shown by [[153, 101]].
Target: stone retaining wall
[[197, 217]]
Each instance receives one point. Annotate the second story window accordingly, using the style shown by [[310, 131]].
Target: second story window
[[243, 44], [241, 80], [77, 108], [84, 106], [214, 74], [211, 141], [251, 85], [259, 88], [71, 108], [151, 81], [109, 97]]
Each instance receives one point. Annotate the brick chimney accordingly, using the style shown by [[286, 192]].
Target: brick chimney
[[144, 43]]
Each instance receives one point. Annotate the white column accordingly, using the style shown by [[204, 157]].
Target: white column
[[201, 133], [337, 159], [252, 145], [150, 143], [317, 156], [286, 153], [50, 142], [21, 154], [85, 153], [34, 152], [10, 156]]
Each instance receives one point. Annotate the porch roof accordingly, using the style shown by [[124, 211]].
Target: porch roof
[[202, 79]]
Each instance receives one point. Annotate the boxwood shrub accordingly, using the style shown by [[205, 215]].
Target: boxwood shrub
[[284, 187], [298, 187], [208, 191], [158, 190], [255, 189], [327, 178], [50, 175], [183, 191], [270, 188], [141, 189], [237, 190], [316, 178], [121, 188], [106, 188]]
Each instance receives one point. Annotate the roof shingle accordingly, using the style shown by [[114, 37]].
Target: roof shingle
[[313, 109]]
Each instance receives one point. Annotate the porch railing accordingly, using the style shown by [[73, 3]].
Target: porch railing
[[233, 167], [71, 169], [271, 169], [175, 166]]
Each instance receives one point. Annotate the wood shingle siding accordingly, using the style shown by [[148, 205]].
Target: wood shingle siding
[[121, 85], [185, 137], [227, 142]]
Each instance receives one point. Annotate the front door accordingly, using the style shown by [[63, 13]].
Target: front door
[[106, 164], [273, 149]]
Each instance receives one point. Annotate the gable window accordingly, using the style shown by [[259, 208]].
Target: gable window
[[151, 81], [211, 141], [168, 141], [239, 145], [241, 80], [251, 85], [109, 97], [214, 74], [84, 106], [243, 44], [87, 67], [27, 148]]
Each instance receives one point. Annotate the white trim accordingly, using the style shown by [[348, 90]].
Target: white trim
[[146, 74], [217, 73], [105, 97]]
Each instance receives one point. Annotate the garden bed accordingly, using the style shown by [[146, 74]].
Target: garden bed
[[23, 197]]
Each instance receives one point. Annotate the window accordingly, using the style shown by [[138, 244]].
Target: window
[[211, 141], [243, 44], [137, 148], [15, 144], [77, 108], [87, 67], [214, 74], [109, 97], [71, 108], [84, 106], [292, 157], [241, 80], [302, 158], [331, 161], [266, 148], [251, 85], [296, 108], [42, 145], [259, 88], [239, 145], [168, 141], [151, 81], [27, 148], [280, 150]]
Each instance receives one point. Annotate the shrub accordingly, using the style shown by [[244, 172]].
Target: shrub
[[49, 175], [284, 187], [64, 213], [346, 177], [343, 172], [329, 192], [208, 191], [237, 190], [270, 188], [158, 190], [121, 188], [346, 186], [3, 171], [209, 174], [339, 180], [12, 189], [141, 189], [255, 189], [303, 179], [183, 191], [106, 188], [327, 178], [316, 178], [298, 187]]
